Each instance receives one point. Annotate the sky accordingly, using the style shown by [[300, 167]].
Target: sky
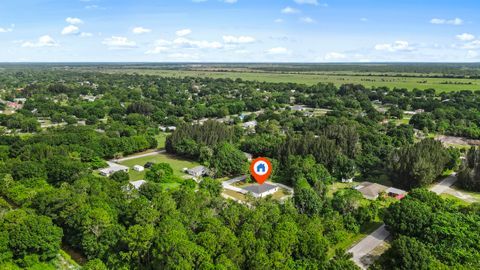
[[239, 31]]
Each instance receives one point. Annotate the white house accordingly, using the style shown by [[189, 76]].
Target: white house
[[197, 171], [137, 184], [138, 168], [250, 124], [113, 168]]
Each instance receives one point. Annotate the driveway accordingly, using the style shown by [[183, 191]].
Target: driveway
[[139, 156]]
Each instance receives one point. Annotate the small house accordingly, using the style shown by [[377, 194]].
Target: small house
[[250, 124], [260, 191], [138, 168], [113, 168], [197, 171], [370, 190], [248, 156], [137, 184]]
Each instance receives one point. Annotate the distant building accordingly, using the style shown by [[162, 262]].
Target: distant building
[[260, 191], [248, 156], [396, 193], [138, 168], [138, 184], [372, 191], [198, 171], [298, 108], [250, 124], [113, 168]]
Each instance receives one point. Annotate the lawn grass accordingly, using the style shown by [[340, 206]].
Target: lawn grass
[[440, 84], [161, 138], [456, 200], [177, 164]]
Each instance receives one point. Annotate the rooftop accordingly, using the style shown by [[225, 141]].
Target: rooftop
[[259, 189], [370, 190]]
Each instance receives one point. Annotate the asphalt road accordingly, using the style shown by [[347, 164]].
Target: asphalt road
[[377, 238]]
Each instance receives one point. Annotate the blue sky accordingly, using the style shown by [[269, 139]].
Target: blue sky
[[239, 30]]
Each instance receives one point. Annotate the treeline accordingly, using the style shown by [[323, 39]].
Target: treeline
[[431, 233], [469, 175]]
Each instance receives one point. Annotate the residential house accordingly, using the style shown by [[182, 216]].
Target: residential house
[[250, 124], [260, 191], [370, 190], [197, 171], [113, 168]]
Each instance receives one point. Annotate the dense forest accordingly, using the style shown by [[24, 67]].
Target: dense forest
[[72, 122]]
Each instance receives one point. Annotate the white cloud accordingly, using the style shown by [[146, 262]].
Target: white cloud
[[183, 32], [70, 30], [290, 10], [473, 45], [230, 1], [472, 54], [201, 44], [116, 42], [277, 50], [394, 47], [43, 41], [310, 2], [335, 56], [456, 21], [278, 20], [465, 37], [71, 20], [307, 20], [85, 34], [141, 30], [157, 50], [7, 30], [238, 39]]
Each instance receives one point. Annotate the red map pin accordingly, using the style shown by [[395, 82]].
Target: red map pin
[[261, 168]]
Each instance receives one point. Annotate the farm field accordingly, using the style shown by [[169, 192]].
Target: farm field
[[440, 84]]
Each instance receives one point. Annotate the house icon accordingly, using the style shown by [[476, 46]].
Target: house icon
[[261, 168]]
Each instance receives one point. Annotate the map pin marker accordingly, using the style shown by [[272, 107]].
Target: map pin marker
[[261, 168]]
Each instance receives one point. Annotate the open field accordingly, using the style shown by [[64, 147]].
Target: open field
[[177, 164], [440, 84]]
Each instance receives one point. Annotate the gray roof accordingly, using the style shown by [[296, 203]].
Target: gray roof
[[395, 191], [197, 169], [370, 190], [259, 189]]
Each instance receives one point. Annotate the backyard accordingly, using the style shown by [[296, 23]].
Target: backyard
[[177, 164]]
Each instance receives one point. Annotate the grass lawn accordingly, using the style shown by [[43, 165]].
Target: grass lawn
[[177, 164], [454, 199], [234, 194], [161, 139]]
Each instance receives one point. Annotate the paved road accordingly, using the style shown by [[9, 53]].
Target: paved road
[[377, 238], [368, 244], [444, 185], [139, 156]]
